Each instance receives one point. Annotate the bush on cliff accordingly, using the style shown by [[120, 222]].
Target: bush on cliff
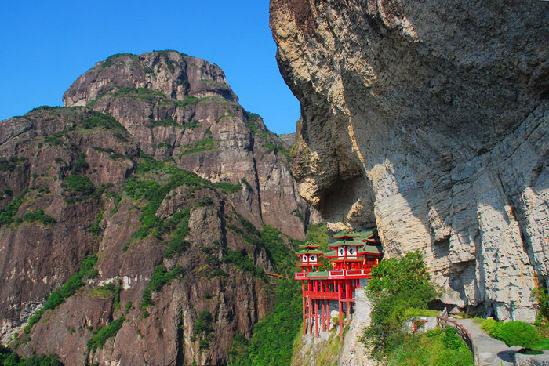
[[513, 333], [396, 285]]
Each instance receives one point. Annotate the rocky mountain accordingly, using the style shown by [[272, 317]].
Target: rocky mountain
[[137, 222], [429, 120]]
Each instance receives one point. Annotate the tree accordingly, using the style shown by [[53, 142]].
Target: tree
[[396, 285]]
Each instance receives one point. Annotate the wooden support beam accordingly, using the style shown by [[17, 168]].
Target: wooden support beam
[[309, 315], [316, 318], [304, 308]]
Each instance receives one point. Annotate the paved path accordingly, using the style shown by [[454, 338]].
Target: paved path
[[492, 352], [488, 351]]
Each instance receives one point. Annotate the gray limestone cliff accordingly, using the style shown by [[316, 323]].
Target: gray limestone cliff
[[430, 121]]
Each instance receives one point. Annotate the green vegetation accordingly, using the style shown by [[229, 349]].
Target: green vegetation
[[177, 243], [199, 146], [189, 100], [165, 54], [39, 216], [159, 278], [100, 336], [78, 188], [516, 333], [205, 201], [163, 123], [318, 234], [241, 260], [203, 330], [9, 358], [225, 115], [105, 292], [74, 283], [436, 347], [163, 145], [414, 312], [7, 214], [113, 155], [253, 120], [105, 121], [396, 285], [154, 192], [55, 138], [80, 165], [8, 165], [109, 61], [542, 298], [94, 228], [277, 149], [269, 238], [215, 83], [272, 339], [228, 187]]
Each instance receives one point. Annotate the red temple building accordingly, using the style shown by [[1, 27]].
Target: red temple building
[[351, 259]]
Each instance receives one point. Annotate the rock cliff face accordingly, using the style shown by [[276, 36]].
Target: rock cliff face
[[429, 120], [167, 201]]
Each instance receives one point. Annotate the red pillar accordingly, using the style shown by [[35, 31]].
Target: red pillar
[[304, 309], [309, 315], [323, 315], [316, 318], [340, 292]]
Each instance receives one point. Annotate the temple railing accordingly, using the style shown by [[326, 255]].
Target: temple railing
[[337, 274]]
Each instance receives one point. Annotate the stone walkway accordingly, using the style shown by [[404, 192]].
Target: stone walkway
[[492, 352]]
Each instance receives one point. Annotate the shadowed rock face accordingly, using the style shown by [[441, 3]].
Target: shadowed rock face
[[429, 120], [99, 182]]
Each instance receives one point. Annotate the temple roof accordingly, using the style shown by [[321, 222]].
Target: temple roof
[[309, 244], [345, 234], [310, 251], [353, 243]]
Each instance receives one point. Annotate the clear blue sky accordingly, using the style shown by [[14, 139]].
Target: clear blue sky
[[46, 45]]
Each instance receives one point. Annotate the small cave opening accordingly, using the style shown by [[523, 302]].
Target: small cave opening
[[349, 201]]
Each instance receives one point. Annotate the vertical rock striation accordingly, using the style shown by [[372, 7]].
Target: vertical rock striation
[[429, 120]]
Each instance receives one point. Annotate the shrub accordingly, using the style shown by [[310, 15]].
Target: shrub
[[396, 285], [434, 348], [159, 278], [490, 325], [57, 297], [203, 329], [79, 184], [205, 201], [7, 214], [517, 333], [100, 336], [80, 164], [39, 216], [272, 341], [9, 358]]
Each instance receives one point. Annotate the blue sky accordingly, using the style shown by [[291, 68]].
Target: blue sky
[[46, 45]]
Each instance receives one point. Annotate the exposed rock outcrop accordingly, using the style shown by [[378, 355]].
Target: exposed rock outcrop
[[429, 120], [179, 257]]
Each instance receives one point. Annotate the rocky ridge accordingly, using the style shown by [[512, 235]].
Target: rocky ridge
[[428, 120], [176, 197]]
